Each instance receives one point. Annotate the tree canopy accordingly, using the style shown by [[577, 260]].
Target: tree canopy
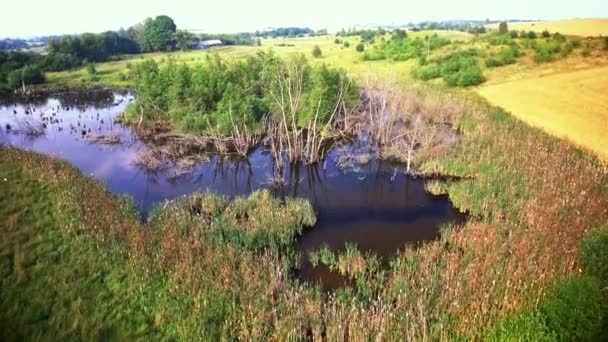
[[158, 34]]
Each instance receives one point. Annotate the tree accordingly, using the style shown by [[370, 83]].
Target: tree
[[360, 47], [183, 39], [316, 52], [503, 28], [158, 34], [399, 34]]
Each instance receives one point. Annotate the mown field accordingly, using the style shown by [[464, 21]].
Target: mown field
[[575, 27], [568, 104]]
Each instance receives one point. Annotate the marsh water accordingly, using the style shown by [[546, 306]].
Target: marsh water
[[375, 206]]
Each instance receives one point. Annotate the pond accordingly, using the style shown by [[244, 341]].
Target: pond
[[375, 206]]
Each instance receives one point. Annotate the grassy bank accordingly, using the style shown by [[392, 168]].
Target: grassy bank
[[77, 263]]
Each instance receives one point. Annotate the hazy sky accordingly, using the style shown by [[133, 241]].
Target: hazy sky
[[34, 17]]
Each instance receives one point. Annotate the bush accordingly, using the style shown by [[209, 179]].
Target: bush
[[594, 255], [505, 56], [346, 44], [316, 52], [573, 309], [466, 77], [546, 34], [217, 95], [531, 35], [91, 70], [605, 43], [426, 72], [513, 34], [27, 75], [503, 28], [337, 41], [60, 62], [525, 325], [360, 47]]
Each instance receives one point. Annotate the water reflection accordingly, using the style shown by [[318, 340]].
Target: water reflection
[[375, 206]]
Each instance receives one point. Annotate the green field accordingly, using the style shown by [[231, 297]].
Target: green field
[[114, 73], [529, 264]]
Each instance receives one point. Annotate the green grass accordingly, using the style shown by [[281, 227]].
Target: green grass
[[114, 73]]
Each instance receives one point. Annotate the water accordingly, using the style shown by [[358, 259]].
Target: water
[[375, 206]]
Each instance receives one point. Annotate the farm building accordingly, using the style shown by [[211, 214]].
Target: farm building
[[205, 44]]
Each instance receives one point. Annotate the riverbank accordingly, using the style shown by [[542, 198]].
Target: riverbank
[[533, 199]]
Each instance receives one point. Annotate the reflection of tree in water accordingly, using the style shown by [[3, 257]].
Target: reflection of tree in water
[[81, 100]]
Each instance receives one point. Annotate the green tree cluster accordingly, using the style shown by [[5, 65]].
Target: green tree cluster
[[216, 96], [159, 34]]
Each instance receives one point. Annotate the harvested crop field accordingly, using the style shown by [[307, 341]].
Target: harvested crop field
[[574, 27], [570, 105]]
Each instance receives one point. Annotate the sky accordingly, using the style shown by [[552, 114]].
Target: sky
[[23, 18]]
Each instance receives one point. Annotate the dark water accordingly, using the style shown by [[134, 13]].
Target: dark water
[[375, 206]]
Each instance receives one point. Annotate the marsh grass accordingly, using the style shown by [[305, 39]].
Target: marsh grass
[[78, 264]]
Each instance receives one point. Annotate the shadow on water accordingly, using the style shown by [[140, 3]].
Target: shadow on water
[[375, 206]]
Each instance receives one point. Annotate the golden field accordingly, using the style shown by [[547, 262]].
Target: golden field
[[574, 27], [572, 105]]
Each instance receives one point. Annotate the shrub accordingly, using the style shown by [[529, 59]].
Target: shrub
[[525, 325], [594, 255], [337, 41], [505, 56], [503, 28], [513, 34], [559, 37], [546, 34], [605, 43], [426, 72], [531, 35], [573, 309], [346, 44], [360, 47], [60, 61], [91, 70], [26, 75], [316, 52], [468, 76]]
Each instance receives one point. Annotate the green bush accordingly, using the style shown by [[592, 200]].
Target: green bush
[[360, 47], [27, 75], [468, 76], [505, 56], [217, 96], [91, 70], [573, 309], [337, 41], [346, 44], [531, 35], [426, 72], [525, 325], [316, 52], [546, 34], [594, 256]]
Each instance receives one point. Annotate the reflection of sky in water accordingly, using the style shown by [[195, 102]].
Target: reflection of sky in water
[[374, 207]]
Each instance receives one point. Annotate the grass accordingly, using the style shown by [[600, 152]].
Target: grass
[[114, 73], [207, 267], [567, 104], [574, 27], [76, 263]]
